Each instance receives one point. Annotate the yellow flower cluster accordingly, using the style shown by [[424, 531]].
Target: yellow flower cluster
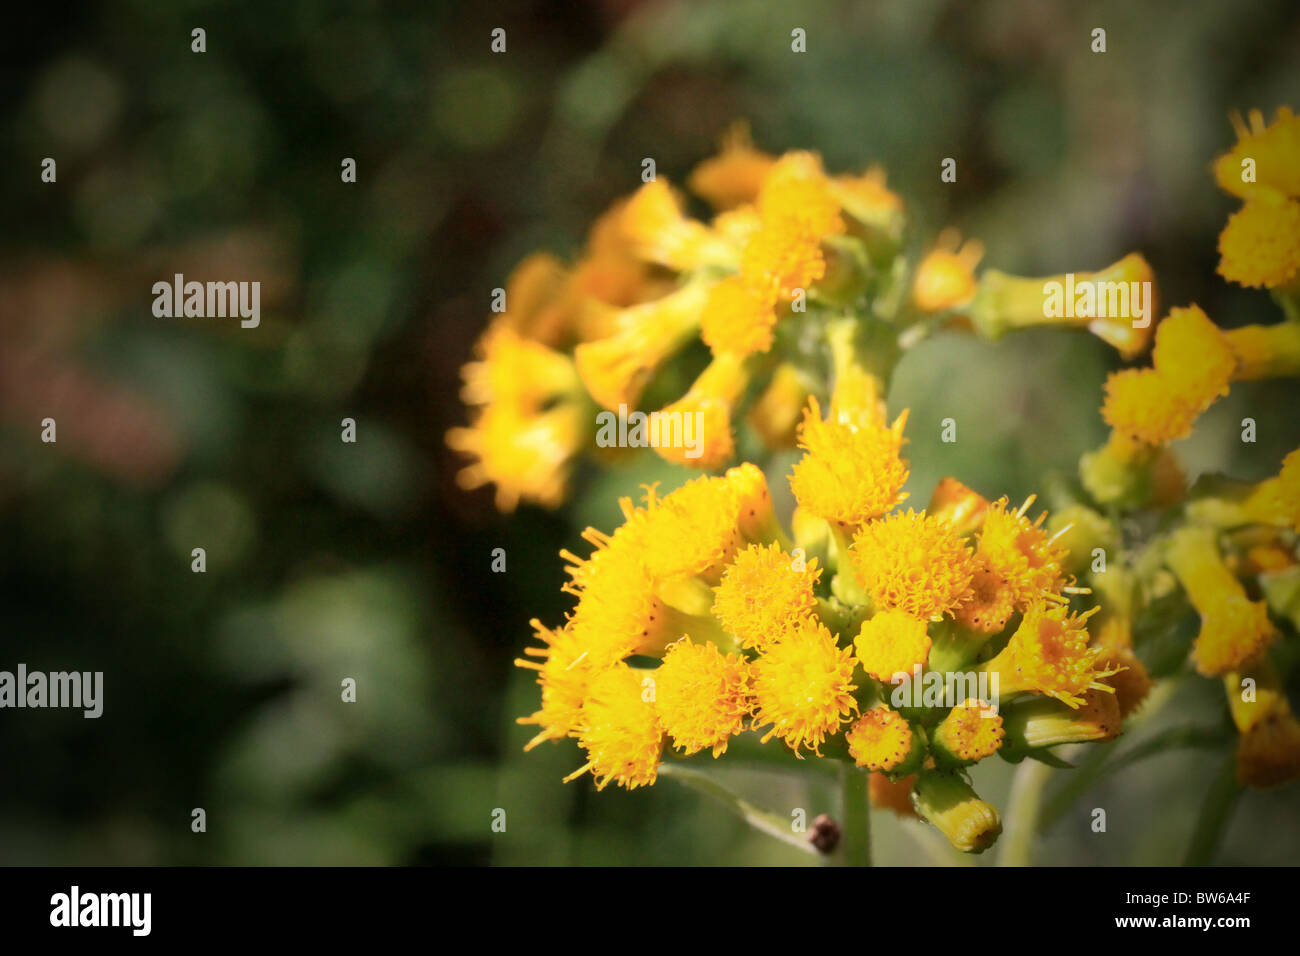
[[699, 620], [908, 643], [789, 247], [1230, 547], [1260, 245]]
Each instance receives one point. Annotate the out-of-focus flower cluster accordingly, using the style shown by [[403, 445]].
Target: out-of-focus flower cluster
[[798, 280]]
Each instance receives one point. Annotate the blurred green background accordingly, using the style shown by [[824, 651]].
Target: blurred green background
[[329, 560]]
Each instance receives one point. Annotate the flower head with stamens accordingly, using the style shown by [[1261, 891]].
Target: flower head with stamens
[[798, 209], [969, 733], [1049, 654], [803, 687], [564, 673], [849, 473], [702, 696], [690, 531], [1260, 245], [891, 642], [914, 563], [617, 612], [620, 730], [530, 419], [881, 739], [765, 594], [1020, 554]]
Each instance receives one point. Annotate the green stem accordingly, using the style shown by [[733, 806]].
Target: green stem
[[1214, 815], [760, 820], [856, 811], [1022, 813]]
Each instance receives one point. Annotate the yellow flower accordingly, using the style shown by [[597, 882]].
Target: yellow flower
[[1004, 302], [945, 279], [609, 273], [881, 739], [738, 317], [775, 413], [736, 174], [706, 436], [1268, 752], [797, 195], [530, 419], [702, 696], [1193, 355], [694, 530], [1234, 629], [1275, 151], [849, 474], [868, 200], [702, 416], [620, 731], [1018, 558], [969, 733], [858, 393], [537, 306], [990, 606], [1277, 500], [563, 673], [1049, 654], [946, 800], [798, 209], [528, 458], [803, 687], [662, 233], [1260, 245], [616, 369], [1042, 722], [913, 563], [891, 642], [1194, 362], [1144, 406], [765, 594], [516, 371], [618, 612], [960, 506]]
